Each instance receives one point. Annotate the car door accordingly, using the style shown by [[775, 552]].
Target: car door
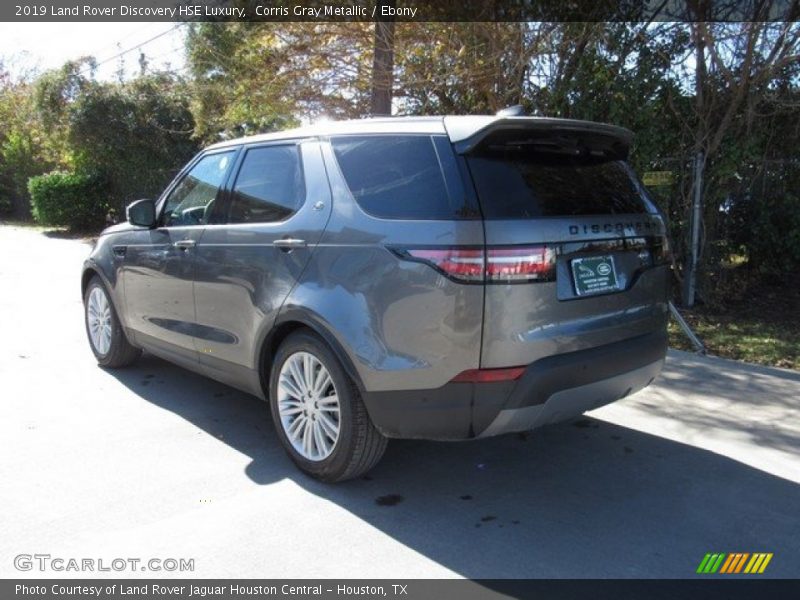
[[159, 265], [278, 206]]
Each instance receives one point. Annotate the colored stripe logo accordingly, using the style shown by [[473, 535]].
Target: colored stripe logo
[[734, 562]]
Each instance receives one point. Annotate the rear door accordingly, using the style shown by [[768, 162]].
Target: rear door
[[278, 206], [574, 249]]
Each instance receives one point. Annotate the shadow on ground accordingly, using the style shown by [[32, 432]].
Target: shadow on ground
[[581, 499], [67, 234]]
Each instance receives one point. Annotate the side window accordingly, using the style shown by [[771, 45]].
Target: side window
[[403, 176], [269, 186], [192, 200]]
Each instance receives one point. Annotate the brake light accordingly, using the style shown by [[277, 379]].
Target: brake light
[[496, 264]]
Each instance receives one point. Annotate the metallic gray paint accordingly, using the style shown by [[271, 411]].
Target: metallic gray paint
[[395, 324], [523, 323], [401, 323], [242, 279]]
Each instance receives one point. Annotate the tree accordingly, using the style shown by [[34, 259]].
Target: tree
[[25, 147], [133, 135], [383, 64], [733, 63], [257, 77]]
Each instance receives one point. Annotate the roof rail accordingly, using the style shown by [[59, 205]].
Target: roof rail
[[511, 111]]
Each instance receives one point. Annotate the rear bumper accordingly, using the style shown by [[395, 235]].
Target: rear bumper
[[552, 389]]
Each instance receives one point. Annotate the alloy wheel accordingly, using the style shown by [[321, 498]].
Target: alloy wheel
[[98, 318], [308, 406]]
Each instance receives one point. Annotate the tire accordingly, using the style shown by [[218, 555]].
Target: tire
[[358, 445], [111, 347]]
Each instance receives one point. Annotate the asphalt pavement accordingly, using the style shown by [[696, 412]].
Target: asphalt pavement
[[156, 462]]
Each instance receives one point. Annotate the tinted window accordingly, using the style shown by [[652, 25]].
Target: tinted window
[[518, 186], [269, 186], [402, 176], [192, 201]]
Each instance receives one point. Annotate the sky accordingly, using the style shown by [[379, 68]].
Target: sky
[[41, 46]]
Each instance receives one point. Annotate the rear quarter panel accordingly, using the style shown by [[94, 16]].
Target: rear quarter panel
[[402, 324]]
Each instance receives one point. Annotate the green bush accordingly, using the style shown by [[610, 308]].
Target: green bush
[[74, 200], [775, 243]]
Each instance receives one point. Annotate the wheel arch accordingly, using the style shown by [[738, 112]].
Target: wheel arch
[[89, 272], [287, 324], [91, 269]]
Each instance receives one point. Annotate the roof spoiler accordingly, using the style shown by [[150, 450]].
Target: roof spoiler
[[469, 134]]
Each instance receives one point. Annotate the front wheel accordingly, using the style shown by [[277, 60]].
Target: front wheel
[[319, 416], [106, 336]]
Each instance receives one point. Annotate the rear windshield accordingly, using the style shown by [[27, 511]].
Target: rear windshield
[[403, 176], [514, 185]]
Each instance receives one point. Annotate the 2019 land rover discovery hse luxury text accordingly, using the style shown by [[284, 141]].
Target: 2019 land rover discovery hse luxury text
[[443, 278]]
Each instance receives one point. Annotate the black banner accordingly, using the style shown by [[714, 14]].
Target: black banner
[[252, 589], [400, 10]]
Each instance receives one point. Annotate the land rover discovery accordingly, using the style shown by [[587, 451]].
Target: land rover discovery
[[445, 278]]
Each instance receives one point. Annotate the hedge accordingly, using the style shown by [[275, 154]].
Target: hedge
[[78, 201]]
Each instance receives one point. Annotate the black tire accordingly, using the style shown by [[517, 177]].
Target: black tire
[[120, 352], [359, 446]]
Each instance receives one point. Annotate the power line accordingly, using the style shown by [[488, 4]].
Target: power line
[[118, 43], [135, 47]]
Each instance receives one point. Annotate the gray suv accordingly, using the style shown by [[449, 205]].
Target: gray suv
[[442, 278]]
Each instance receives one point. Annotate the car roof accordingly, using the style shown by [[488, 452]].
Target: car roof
[[465, 131], [424, 125]]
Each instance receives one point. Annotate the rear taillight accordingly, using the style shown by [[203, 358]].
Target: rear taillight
[[461, 264], [496, 264], [529, 263]]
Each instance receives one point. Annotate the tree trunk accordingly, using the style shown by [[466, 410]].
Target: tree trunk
[[383, 64]]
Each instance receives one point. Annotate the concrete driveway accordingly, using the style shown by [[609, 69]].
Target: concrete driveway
[[153, 461]]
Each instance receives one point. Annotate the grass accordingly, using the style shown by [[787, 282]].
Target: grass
[[756, 322]]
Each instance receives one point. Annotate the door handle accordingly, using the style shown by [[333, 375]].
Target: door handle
[[185, 244], [289, 243]]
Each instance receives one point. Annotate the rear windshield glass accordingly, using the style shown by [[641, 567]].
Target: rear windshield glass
[[403, 176], [527, 185]]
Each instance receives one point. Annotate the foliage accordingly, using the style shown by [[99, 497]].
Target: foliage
[[764, 224], [752, 325], [135, 134], [256, 77], [74, 200], [728, 89], [24, 146]]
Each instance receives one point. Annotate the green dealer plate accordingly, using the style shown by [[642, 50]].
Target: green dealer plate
[[594, 275]]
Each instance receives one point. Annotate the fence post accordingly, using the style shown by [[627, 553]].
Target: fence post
[[690, 282]]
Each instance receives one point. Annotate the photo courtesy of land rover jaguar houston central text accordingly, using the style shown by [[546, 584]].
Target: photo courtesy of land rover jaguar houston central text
[[444, 278]]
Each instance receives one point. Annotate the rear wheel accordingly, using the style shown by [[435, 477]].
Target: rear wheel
[[319, 416], [106, 336]]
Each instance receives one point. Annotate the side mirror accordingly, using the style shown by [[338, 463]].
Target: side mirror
[[142, 213]]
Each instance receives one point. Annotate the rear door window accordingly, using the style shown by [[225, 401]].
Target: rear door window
[[526, 185], [269, 186], [403, 176]]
